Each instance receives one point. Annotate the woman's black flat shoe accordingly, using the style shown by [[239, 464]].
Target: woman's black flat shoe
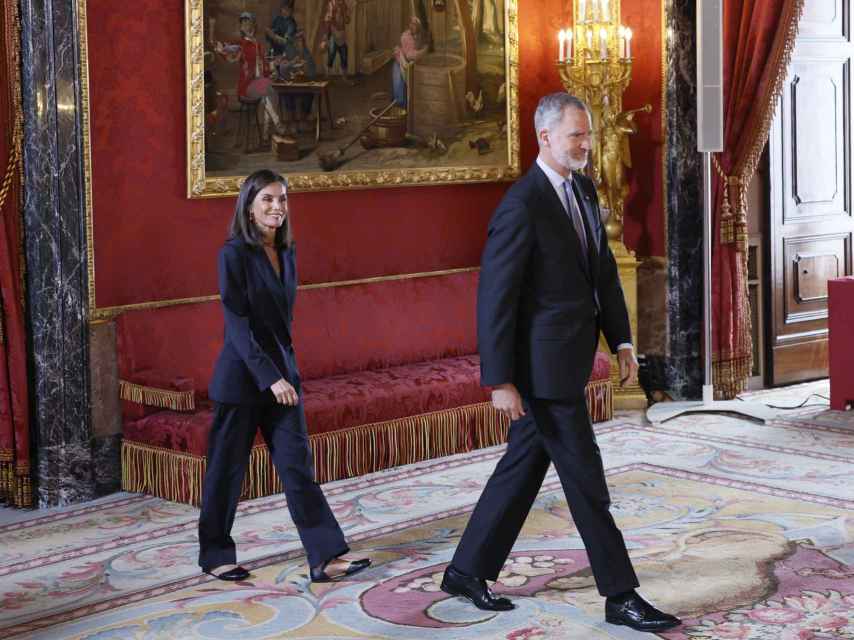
[[232, 575], [318, 574]]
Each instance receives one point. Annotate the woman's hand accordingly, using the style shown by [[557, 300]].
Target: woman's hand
[[284, 392]]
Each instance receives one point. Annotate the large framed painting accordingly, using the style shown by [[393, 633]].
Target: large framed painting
[[351, 93]]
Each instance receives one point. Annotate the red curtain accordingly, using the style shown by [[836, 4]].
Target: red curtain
[[758, 39], [15, 472]]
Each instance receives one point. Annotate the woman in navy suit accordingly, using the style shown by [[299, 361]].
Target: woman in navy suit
[[256, 384]]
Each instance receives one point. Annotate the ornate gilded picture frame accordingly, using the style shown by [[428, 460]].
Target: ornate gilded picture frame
[[341, 94]]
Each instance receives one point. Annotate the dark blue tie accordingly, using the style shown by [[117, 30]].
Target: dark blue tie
[[575, 215]]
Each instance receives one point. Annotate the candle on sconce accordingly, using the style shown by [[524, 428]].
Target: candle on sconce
[[621, 39], [568, 45], [211, 28], [595, 10], [606, 14], [628, 42], [590, 39], [582, 10], [603, 43], [561, 48]]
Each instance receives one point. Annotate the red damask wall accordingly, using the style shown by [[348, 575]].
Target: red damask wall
[[152, 243]]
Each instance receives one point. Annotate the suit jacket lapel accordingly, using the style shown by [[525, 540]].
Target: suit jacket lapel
[[592, 224], [590, 216], [277, 289], [289, 278]]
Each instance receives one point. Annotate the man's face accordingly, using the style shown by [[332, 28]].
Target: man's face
[[247, 26], [569, 141]]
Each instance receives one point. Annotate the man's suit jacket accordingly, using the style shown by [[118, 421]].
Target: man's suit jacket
[[258, 309], [540, 304]]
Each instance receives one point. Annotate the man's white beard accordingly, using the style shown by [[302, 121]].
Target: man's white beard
[[567, 161], [577, 165]]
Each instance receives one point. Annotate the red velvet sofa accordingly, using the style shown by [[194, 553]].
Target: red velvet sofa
[[390, 376]]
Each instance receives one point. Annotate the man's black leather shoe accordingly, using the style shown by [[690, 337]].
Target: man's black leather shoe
[[635, 612], [456, 583]]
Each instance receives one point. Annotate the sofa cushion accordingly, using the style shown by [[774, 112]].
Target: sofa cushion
[[352, 399], [343, 401], [148, 392], [336, 402], [175, 431]]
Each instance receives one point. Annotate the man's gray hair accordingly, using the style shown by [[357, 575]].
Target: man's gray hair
[[551, 107]]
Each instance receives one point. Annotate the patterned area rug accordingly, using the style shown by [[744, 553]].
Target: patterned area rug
[[744, 530]]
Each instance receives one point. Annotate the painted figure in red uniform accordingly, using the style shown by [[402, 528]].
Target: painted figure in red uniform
[[254, 82]]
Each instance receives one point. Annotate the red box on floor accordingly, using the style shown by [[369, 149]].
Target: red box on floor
[[840, 323]]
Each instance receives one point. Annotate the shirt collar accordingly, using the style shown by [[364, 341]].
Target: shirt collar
[[554, 177]]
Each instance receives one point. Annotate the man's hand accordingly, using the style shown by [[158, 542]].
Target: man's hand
[[628, 366], [284, 392], [506, 399]]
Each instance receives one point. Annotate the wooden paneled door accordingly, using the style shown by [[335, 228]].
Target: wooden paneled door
[[811, 222]]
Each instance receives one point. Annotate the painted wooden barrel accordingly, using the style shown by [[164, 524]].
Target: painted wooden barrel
[[388, 131], [438, 93]]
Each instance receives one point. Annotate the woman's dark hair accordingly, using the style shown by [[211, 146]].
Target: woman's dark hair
[[241, 226]]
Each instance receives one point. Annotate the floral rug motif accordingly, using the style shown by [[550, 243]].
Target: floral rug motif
[[744, 530]]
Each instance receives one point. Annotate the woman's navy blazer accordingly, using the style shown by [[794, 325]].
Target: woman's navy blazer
[[258, 309]]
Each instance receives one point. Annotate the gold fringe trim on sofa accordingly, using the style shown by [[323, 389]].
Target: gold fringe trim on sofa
[[340, 454], [162, 472], [154, 397], [384, 445]]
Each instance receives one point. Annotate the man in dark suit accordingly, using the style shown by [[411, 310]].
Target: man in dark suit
[[548, 285]]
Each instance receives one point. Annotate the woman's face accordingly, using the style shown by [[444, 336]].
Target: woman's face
[[269, 209]]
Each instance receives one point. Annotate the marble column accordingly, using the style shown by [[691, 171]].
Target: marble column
[[681, 371], [55, 237]]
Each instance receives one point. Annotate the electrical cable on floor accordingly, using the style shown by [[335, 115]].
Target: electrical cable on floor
[[803, 405]]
